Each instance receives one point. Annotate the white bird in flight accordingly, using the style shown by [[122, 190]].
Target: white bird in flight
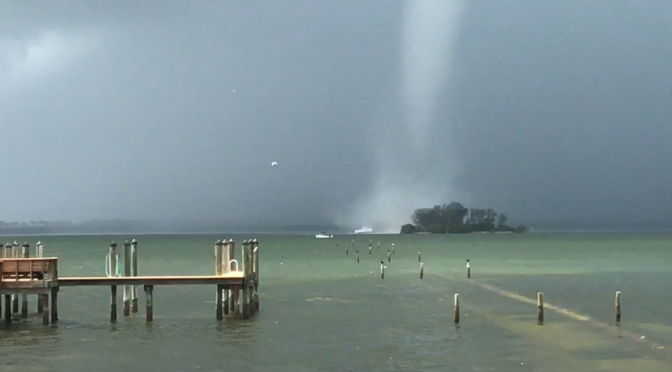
[[274, 164]]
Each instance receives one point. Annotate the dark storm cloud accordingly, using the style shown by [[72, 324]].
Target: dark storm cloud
[[560, 110]]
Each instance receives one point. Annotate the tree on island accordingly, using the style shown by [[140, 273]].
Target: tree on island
[[455, 218]]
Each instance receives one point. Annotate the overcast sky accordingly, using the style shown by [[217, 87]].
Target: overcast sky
[[553, 111]]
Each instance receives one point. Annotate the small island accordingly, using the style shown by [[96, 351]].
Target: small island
[[455, 218]]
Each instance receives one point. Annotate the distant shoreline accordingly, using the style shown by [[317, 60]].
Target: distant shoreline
[[307, 233]]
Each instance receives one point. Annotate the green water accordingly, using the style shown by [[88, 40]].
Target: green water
[[322, 311]]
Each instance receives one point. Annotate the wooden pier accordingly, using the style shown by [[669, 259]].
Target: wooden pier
[[236, 282]]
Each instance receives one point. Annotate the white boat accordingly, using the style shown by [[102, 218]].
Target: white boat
[[364, 230], [324, 235]]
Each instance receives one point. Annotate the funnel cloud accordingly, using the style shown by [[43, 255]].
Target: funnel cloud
[[406, 175]]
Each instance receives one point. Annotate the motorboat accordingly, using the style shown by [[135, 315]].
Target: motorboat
[[324, 235], [364, 230]]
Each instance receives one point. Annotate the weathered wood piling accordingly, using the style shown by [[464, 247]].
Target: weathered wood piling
[[25, 253], [617, 307], [540, 308], [456, 308]]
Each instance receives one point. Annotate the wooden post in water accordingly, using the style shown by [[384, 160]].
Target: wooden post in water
[[149, 303], [357, 256], [219, 301], [15, 298], [25, 253], [456, 308], [134, 272], [255, 253], [234, 291], [219, 270], [113, 288], [127, 273], [389, 256], [382, 270], [419, 257], [245, 261], [39, 252], [45, 305], [54, 305], [468, 269], [422, 270], [8, 309], [226, 267], [617, 306], [540, 308]]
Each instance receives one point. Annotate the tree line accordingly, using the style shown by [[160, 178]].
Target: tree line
[[455, 218]]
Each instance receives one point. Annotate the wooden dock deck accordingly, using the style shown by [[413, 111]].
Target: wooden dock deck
[[20, 275]]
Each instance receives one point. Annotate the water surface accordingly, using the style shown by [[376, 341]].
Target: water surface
[[322, 311]]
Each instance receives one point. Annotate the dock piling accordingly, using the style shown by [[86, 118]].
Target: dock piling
[[25, 253], [540, 308], [219, 301], [113, 304], [235, 291], [8, 309], [255, 254], [45, 313], [219, 259], [149, 303], [134, 272], [617, 306], [54, 305], [245, 298], [127, 273], [39, 252], [226, 267], [15, 297], [422, 270], [456, 309]]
